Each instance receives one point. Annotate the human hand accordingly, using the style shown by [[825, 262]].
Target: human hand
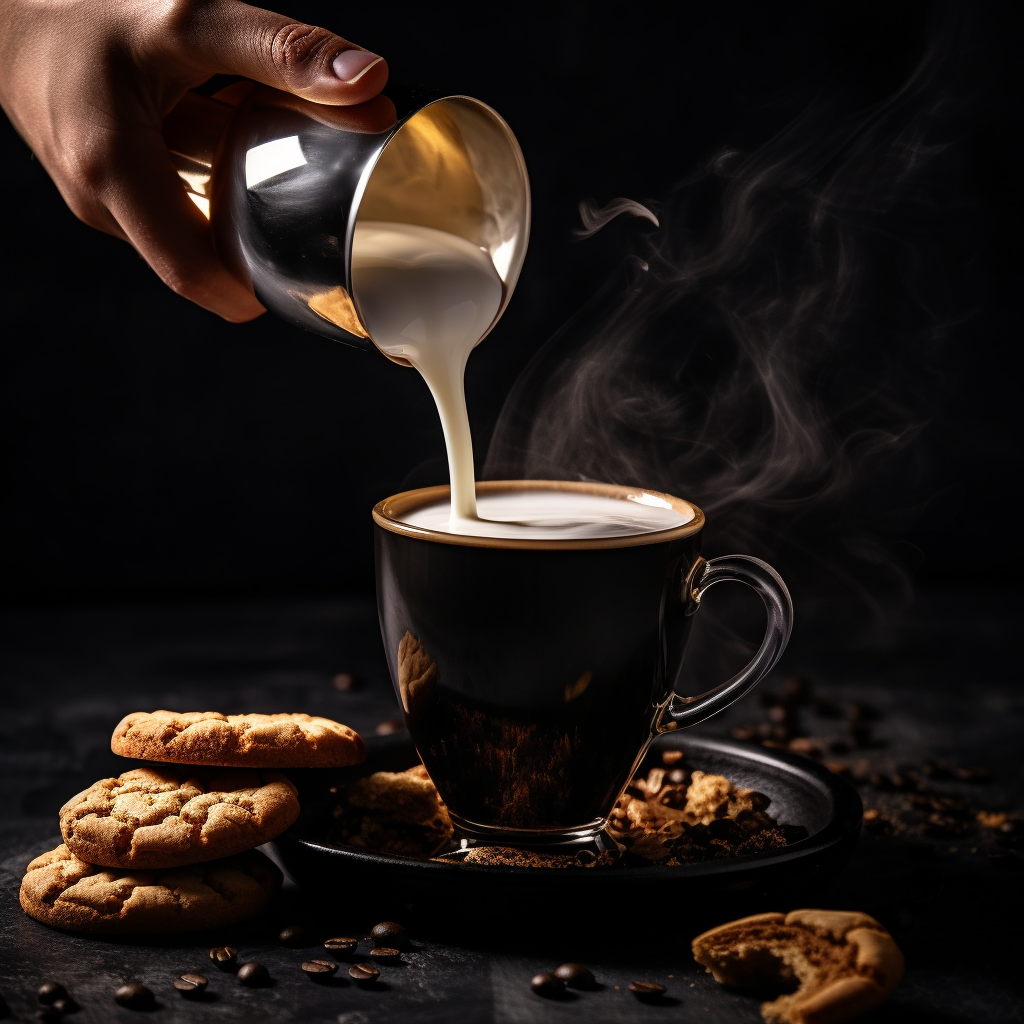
[[87, 84]]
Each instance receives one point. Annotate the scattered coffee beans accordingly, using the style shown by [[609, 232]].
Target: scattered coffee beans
[[190, 984], [225, 957], [385, 954], [548, 985], [294, 935], [320, 970], [390, 933], [341, 944], [51, 991], [576, 976], [647, 990], [253, 974], [344, 681], [135, 997], [365, 974]]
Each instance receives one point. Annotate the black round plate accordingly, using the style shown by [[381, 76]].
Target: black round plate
[[802, 792]]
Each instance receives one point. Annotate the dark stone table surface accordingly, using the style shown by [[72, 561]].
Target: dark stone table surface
[[943, 683]]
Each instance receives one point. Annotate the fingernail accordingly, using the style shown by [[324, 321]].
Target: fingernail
[[351, 65]]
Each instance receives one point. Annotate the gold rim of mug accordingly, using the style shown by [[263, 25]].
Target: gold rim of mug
[[387, 515]]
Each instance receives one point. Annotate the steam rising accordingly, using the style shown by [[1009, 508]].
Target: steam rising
[[595, 217], [770, 351]]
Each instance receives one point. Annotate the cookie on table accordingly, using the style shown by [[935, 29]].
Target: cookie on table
[[237, 741], [845, 963], [167, 817], [65, 892]]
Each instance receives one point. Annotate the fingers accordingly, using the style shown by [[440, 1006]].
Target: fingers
[[153, 211], [374, 116], [235, 38]]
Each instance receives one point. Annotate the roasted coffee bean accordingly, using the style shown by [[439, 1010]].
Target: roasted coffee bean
[[647, 990], [51, 991], [744, 733], [365, 974], [390, 933], [385, 954], [135, 997], [973, 774], [190, 984], [341, 944], [320, 970], [344, 681], [806, 746], [576, 976], [797, 690], [392, 725], [294, 936], [838, 768], [225, 957], [548, 984], [671, 757], [63, 1006], [253, 975]]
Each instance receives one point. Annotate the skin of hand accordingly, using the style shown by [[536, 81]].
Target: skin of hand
[[88, 83]]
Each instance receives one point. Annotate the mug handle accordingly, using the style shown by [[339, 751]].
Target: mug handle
[[680, 712]]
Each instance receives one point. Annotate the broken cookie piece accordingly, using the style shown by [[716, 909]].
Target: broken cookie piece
[[842, 963], [392, 812], [706, 818]]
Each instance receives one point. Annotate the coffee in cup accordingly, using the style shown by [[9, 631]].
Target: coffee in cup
[[537, 656]]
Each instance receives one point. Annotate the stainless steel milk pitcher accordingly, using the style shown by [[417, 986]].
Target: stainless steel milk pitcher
[[285, 181]]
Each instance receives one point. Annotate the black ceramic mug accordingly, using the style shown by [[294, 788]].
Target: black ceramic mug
[[533, 674]]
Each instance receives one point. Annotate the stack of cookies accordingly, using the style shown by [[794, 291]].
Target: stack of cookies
[[171, 847]]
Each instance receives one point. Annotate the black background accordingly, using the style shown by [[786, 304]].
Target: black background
[[152, 451]]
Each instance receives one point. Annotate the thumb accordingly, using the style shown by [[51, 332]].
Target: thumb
[[228, 37]]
